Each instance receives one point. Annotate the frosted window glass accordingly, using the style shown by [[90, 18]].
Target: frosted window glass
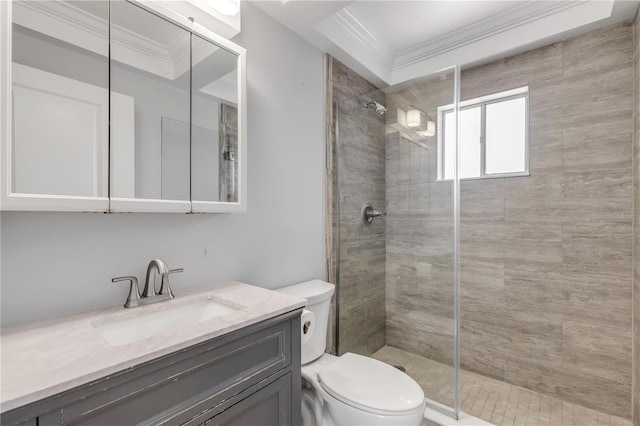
[[470, 133], [505, 136]]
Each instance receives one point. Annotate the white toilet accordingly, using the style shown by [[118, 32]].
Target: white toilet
[[350, 389]]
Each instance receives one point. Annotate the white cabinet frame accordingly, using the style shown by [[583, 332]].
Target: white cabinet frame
[[42, 202], [19, 201]]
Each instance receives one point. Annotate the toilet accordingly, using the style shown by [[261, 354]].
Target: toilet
[[349, 389]]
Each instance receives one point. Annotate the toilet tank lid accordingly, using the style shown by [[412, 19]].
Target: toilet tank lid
[[314, 291]]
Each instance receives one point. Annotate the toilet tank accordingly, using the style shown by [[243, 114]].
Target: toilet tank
[[318, 294]]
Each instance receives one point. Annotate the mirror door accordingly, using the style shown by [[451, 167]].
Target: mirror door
[[55, 143], [150, 111], [216, 151], [119, 106]]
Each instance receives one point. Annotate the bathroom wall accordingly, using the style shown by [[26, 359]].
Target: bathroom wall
[[356, 176], [546, 260], [55, 264], [636, 223]]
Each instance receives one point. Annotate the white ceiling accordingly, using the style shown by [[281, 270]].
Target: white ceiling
[[391, 41], [404, 24]]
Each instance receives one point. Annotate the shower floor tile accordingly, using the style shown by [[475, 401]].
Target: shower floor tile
[[492, 400]]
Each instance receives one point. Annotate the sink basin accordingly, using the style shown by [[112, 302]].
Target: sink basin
[[118, 332]]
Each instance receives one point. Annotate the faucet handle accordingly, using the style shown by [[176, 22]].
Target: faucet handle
[[133, 298], [165, 288]]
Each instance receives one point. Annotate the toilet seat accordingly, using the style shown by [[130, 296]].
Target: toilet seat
[[370, 385]]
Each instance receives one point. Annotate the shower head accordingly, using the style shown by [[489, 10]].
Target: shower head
[[380, 109]]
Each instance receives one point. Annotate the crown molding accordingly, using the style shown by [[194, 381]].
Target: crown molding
[[353, 26], [346, 31], [522, 26], [540, 29], [63, 21], [521, 14]]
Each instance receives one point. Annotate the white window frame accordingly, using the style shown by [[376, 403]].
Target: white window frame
[[483, 101]]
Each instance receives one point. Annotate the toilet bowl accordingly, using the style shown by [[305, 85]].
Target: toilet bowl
[[349, 389]]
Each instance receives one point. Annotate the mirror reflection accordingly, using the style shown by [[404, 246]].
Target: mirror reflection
[[172, 103], [214, 150], [150, 86], [59, 140]]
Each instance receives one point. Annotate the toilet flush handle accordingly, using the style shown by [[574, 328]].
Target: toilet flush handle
[[306, 326]]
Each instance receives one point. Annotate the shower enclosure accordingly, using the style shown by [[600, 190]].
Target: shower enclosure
[[495, 269], [394, 227]]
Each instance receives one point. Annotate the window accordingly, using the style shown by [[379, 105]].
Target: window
[[493, 136]]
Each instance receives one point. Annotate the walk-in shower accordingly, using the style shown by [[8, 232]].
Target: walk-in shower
[[498, 277], [385, 192]]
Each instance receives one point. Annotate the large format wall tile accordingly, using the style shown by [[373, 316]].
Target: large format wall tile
[[601, 196], [532, 336], [532, 290], [596, 298], [597, 247], [476, 329], [636, 220], [358, 177], [482, 287], [535, 199], [607, 395], [348, 84], [546, 259], [587, 347], [583, 150], [537, 65], [612, 44]]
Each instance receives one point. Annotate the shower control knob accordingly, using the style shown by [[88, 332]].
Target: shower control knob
[[368, 213]]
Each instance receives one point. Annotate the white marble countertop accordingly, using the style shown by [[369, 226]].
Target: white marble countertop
[[48, 357]]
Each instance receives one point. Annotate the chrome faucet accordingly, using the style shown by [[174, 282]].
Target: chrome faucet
[[149, 295]]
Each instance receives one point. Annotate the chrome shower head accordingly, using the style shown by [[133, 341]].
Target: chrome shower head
[[380, 109]]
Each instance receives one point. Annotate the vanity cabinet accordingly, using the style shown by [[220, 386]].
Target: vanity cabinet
[[266, 406], [247, 377]]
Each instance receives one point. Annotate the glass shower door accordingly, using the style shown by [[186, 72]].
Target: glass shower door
[[421, 236], [396, 292]]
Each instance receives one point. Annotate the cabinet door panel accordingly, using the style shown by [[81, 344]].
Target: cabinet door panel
[[183, 389], [271, 406]]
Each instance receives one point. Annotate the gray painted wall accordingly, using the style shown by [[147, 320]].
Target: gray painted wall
[[54, 264]]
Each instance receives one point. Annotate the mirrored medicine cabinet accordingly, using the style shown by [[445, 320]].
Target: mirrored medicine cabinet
[[119, 106]]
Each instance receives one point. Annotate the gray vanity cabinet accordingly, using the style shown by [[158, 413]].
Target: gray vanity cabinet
[[247, 377], [266, 406]]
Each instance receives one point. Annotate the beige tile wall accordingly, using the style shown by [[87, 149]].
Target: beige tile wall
[[357, 176], [546, 260], [636, 191]]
